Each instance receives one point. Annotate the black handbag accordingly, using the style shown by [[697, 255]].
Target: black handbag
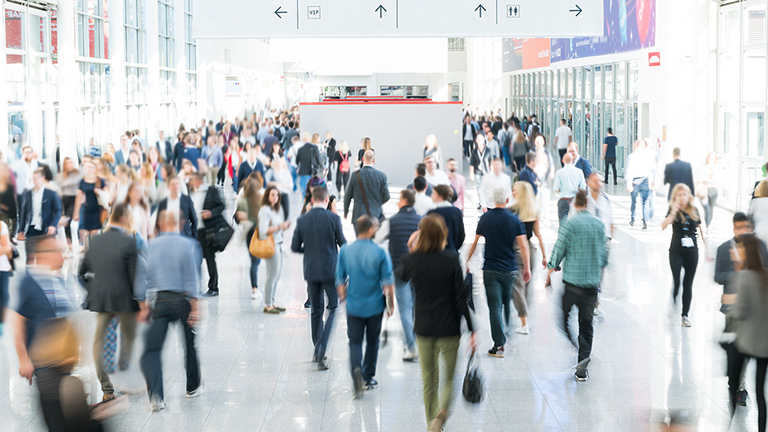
[[473, 388], [218, 234]]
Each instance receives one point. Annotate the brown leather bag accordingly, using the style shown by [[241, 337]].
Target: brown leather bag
[[263, 249]]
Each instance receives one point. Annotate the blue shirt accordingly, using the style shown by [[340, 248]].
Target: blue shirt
[[192, 154], [527, 175], [215, 159], [500, 229], [368, 268], [569, 180], [173, 264], [610, 142]]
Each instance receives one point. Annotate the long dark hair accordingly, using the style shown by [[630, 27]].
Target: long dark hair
[[265, 198], [754, 259]]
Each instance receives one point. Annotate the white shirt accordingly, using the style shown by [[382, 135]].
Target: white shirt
[[174, 205], [438, 177], [423, 204], [198, 199], [468, 134], [562, 135], [37, 209], [24, 171], [641, 163], [490, 182], [493, 147]]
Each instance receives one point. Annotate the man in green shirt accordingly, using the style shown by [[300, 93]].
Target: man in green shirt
[[581, 242]]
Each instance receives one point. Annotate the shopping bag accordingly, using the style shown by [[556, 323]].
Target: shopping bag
[[473, 388]]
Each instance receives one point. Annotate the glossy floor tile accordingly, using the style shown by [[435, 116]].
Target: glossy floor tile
[[257, 373]]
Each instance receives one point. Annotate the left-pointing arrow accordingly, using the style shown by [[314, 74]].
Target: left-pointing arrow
[[278, 12], [381, 10]]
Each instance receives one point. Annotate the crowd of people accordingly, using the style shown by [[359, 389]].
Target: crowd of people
[[139, 221]]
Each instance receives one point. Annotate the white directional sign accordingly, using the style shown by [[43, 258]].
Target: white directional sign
[[239, 19]]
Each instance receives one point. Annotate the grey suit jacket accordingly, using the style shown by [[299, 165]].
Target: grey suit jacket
[[111, 259], [376, 192]]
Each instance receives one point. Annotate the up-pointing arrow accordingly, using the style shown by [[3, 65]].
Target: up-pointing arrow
[[381, 9], [480, 9]]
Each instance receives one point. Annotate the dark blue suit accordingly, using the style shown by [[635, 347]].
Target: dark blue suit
[[51, 212], [678, 172], [318, 236], [166, 151], [584, 166], [187, 217], [245, 170], [527, 175], [178, 155], [454, 220]]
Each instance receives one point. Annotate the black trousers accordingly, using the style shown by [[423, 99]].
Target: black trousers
[[210, 260], [586, 300], [610, 162], [736, 363], [562, 154], [285, 203], [321, 331], [342, 178], [68, 202], [687, 259], [468, 148], [519, 163], [368, 329]]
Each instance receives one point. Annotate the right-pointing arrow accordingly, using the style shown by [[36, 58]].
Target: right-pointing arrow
[[577, 10], [480, 9]]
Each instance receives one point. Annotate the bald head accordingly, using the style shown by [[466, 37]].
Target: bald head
[[369, 156], [567, 159], [168, 221]]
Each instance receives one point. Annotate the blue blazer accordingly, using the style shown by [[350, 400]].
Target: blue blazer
[[678, 172], [188, 218], [584, 166], [245, 170], [527, 175], [120, 158], [454, 220], [318, 236], [51, 209]]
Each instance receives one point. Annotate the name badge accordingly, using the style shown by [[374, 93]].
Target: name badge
[[686, 242]]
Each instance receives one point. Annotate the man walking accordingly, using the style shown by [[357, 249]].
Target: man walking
[[209, 207], [368, 187], [501, 229], [458, 183], [398, 230], [640, 176], [173, 275], [678, 171], [581, 243], [528, 174], [111, 259], [609, 154], [42, 207], [213, 160], [578, 161], [24, 170], [308, 161], [479, 166], [318, 236], [364, 277], [181, 205], [568, 181], [493, 180], [562, 139]]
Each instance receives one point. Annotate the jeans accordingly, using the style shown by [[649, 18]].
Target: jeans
[[736, 364], [128, 328], [274, 265], [169, 307], [303, 180], [610, 162], [404, 295], [431, 349], [586, 300], [4, 283], [295, 177], [687, 259], [210, 260], [357, 329], [563, 208], [468, 147], [506, 156], [642, 189], [498, 290], [321, 333]]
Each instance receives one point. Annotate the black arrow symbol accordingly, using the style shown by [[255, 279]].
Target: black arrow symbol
[[278, 12], [480, 9], [577, 10], [381, 9]]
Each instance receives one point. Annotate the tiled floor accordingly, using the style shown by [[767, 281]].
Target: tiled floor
[[646, 369]]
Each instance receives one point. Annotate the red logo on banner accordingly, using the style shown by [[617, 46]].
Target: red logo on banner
[[654, 59]]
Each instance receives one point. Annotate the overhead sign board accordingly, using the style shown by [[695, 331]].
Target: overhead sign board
[[244, 19]]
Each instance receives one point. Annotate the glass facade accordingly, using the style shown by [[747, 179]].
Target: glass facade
[[589, 98], [742, 103]]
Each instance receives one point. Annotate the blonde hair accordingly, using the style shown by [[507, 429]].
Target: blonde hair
[[525, 207], [367, 144], [689, 209], [433, 234], [761, 191]]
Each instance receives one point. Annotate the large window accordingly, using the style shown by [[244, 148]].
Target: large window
[[92, 29], [135, 31], [165, 33], [189, 41]]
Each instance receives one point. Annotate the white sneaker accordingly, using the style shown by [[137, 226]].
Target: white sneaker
[[410, 355], [157, 404], [255, 294], [522, 330], [686, 321]]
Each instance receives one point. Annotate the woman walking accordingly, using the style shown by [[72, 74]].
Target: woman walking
[[751, 312], [139, 209], [439, 303], [520, 147], [342, 158], [69, 180], [87, 207], [247, 215], [272, 222], [683, 250], [708, 186], [525, 209]]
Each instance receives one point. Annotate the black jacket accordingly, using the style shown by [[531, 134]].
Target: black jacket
[[440, 299], [318, 235], [188, 221], [455, 222], [111, 259], [308, 160], [404, 223], [678, 172], [51, 209], [464, 131]]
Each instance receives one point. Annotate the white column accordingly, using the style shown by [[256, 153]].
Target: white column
[[153, 74], [69, 79], [118, 100], [181, 98], [3, 97]]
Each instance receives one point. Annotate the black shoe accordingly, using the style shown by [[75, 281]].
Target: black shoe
[[371, 384], [212, 293], [324, 364], [357, 379], [581, 374], [307, 304], [645, 226], [741, 397], [615, 183], [496, 352]]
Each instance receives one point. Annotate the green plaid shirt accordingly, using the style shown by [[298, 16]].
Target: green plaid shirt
[[582, 242]]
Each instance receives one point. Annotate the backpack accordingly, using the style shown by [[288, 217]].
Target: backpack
[[344, 165]]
